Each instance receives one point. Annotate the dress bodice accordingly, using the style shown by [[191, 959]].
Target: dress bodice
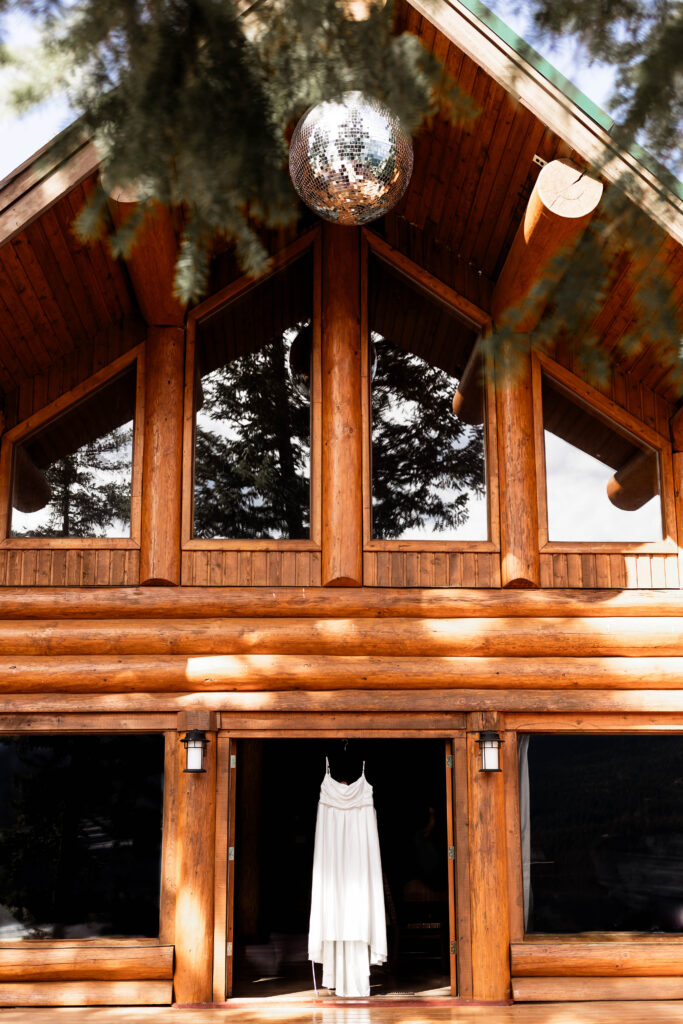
[[345, 797]]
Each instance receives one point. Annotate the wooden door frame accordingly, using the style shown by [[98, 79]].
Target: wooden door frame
[[278, 725]]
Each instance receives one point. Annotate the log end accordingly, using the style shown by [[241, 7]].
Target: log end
[[568, 191]]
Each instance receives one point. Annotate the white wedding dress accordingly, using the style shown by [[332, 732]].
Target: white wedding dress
[[347, 929]]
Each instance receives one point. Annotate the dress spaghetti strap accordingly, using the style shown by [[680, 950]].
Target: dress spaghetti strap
[[327, 765], [363, 772]]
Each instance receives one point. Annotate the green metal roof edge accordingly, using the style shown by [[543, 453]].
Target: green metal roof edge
[[583, 102]]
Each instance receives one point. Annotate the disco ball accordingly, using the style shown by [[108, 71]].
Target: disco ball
[[350, 160]]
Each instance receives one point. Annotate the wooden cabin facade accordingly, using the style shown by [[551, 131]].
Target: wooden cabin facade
[[337, 630]]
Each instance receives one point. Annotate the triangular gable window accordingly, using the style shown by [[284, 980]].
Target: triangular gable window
[[603, 481], [72, 476]]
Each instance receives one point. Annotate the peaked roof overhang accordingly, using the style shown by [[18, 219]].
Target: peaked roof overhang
[[552, 99]]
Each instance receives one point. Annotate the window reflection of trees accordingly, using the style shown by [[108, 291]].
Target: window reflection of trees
[[90, 491], [252, 449], [72, 477], [426, 464]]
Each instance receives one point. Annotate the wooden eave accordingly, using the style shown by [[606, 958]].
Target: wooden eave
[[58, 296], [553, 107]]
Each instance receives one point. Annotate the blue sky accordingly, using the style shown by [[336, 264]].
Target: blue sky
[[21, 137]]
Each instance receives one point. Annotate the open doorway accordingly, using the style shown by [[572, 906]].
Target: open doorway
[[278, 785]]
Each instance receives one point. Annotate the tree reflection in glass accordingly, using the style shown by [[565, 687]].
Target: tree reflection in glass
[[72, 477], [252, 425], [428, 467]]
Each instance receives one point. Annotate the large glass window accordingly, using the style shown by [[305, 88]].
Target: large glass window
[[602, 833], [72, 476], [428, 466], [602, 482], [80, 836], [252, 412]]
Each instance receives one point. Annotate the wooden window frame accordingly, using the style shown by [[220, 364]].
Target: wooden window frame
[[593, 401], [471, 316], [307, 242], [562, 723], [54, 409], [108, 724]]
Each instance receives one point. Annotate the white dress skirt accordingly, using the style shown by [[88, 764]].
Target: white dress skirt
[[347, 929]]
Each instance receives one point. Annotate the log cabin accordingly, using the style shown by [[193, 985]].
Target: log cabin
[[309, 516]]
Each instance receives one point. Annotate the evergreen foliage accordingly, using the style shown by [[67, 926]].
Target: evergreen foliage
[[191, 102], [643, 41]]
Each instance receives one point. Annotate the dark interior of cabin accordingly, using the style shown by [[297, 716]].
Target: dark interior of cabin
[[278, 783]]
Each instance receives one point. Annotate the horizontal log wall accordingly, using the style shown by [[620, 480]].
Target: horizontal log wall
[[638, 704], [396, 638], [597, 959], [86, 993], [198, 603], [224, 568], [86, 963], [69, 567], [431, 569], [602, 570], [255, 672], [574, 990]]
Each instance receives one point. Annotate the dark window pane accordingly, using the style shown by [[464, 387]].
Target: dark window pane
[[428, 471], [72, 477], [80, 836], [606, 833], [252, 447], [602, 482]]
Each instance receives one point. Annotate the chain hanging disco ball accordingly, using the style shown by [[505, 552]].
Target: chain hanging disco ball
[[350, 160]]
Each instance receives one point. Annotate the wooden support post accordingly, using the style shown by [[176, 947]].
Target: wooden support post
[[677, 445], [162, 459], [193, 979], [519, 539], [342, 522], [490, 922], [560, 206]]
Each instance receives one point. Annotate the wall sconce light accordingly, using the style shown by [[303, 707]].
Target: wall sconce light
[[490, 743], [195, 744]]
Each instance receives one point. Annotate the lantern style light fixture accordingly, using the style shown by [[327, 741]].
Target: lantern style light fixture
[[350, 160], [195, 742], [489, 744]]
